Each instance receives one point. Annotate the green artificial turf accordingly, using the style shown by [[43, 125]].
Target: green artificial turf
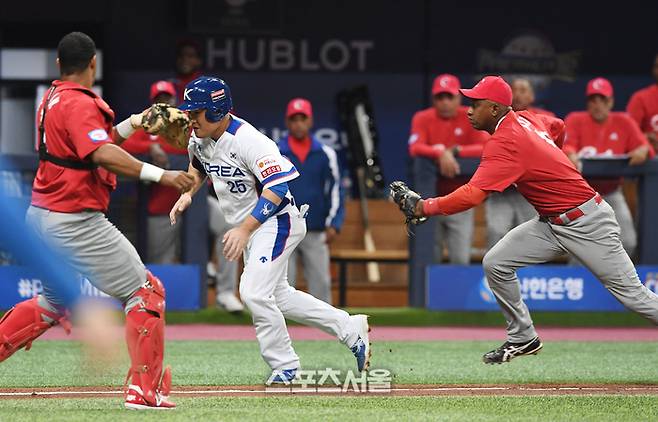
[[59, 363], [541, 409], [422, 317]]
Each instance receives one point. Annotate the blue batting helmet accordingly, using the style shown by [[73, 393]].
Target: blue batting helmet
[[210, 94]]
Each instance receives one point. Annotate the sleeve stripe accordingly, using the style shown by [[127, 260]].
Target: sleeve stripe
[[280, 178], [335, 189]]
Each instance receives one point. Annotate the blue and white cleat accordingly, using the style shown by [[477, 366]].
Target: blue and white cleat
[[361, 348], [282, 376]]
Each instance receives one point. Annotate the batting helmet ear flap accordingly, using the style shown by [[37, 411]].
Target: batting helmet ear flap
[[214, 115]]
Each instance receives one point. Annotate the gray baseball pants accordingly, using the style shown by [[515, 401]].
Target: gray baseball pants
[[94, 247], [164, 241], [624, 218], [594, 239], [314, 252], [505, 210], [455, 232], [628, 235]]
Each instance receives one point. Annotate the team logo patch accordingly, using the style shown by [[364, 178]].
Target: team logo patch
[[217, 95], [270, 171], [268, 160], [266, 210], [98, 135]]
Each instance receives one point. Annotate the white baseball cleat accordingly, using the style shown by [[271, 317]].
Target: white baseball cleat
[[361, 348], [135, 400], [229, 302]]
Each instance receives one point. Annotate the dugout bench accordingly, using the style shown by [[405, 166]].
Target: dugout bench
[[343, 257]]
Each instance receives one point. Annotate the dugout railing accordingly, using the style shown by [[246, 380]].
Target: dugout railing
[[421, 246], [423, 177]]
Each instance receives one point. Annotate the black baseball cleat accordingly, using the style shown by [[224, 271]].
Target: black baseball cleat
[[509, 351]]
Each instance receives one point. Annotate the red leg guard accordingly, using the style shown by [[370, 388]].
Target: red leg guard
[[145, 338], [23, 323]]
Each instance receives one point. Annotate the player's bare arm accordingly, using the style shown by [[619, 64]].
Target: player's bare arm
[[448, 164], [123, 130], [639, 155], [236, 239], [185, 199], [116, 160]]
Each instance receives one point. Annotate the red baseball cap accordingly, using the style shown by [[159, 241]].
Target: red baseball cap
[[161, 87], [446, 83], [492, 88], [299, 106], [599, 86]]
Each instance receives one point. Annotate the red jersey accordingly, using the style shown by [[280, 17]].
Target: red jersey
[[161, 198], [77, 123], [619, 134], [522, 153], [432, 134], [538, 110], [643, 108]]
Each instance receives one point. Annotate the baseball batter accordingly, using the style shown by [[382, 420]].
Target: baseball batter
[[250, 178], [71, 192], [572, 218]]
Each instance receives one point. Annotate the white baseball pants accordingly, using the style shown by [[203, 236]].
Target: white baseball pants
[[264, 289]]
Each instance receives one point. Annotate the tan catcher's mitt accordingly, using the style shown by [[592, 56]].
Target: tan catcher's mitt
[[168, 122]]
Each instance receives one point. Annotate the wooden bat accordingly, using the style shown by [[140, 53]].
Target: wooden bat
[[372, 268]]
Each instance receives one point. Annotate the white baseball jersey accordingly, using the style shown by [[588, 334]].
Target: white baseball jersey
[[241, 163]]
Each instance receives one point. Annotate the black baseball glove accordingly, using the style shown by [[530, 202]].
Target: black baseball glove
[[406, 200]]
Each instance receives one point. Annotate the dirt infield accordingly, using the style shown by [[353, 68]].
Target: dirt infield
[[245, 332], [396, 390]]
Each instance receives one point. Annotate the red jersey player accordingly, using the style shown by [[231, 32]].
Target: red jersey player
[[440, 133], [573, 218], [508, 209], [643, 108], [523, 97], [163, 239], [599, 132], [78, 161]]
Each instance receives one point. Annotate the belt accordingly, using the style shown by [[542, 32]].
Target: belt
[[585, 208]]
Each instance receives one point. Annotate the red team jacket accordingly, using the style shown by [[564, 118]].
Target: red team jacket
[[522, 152], [431, 135], [161, 198], [77, 123], [538, 110], [619, 134], [643, 108]]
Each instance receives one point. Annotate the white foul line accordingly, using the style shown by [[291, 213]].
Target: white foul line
[[420, 391]]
